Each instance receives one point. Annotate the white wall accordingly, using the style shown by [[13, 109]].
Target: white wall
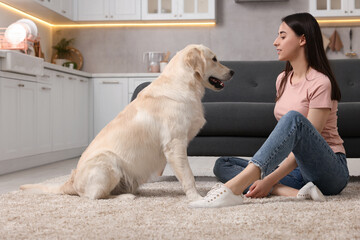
[[45, 32]]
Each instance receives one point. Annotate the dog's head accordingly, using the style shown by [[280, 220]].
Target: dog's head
[[206, 67]]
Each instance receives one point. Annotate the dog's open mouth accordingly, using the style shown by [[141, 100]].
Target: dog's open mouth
[[216, 82]]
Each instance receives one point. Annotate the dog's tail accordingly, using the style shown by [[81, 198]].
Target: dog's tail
[[66, 188]]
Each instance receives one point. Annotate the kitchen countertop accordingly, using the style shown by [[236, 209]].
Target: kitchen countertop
[[66, 70], [99, 75]]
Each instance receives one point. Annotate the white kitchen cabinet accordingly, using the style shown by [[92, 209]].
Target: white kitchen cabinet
[[134, 82], [111, 95], [66, 8], [334, 8], [70, 108], [70, 111], [178, 9], [83, 112], [58, 136], [44, 117], [27, 121], [107, 10], [18, 104], [63, 7], [51, 4], [44, 112], [9, 115], [110, 98]]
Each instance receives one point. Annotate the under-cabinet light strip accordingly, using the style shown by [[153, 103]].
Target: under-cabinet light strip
[[125, 24], [354, 20], [151, 24]]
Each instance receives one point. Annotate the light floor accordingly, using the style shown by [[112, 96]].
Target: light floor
[[12, 181]]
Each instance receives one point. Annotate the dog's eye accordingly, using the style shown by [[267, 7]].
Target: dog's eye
[[214, 59]]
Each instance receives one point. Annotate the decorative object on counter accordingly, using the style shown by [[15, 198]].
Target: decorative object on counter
[[335, 42], [71, 65], [64, 53], [165, 61], [152, 61], [74, 56], [326, 41], [351, 53], [37, 49], [21, 35]]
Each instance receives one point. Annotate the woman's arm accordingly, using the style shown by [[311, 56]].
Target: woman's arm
[[261, 188], [318, 118]]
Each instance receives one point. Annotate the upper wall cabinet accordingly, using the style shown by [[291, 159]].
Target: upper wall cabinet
[[100, 10], [63, 7], [334, 8], [178, 9]]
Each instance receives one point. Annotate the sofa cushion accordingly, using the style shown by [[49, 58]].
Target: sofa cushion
[[253, 81], [347, 74], [238, 119], [349, 119]]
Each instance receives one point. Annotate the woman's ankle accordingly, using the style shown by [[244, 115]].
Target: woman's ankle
[[283, 190]]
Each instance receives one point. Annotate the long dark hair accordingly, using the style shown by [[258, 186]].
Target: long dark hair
[[305, 24]]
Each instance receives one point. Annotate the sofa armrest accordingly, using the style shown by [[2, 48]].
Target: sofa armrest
[[138, 89]]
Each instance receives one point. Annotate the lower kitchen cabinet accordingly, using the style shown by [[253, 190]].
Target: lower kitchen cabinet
[[18, 118], [111, 95], [83, 115], [70, 111], [110, 98], [42, 118]]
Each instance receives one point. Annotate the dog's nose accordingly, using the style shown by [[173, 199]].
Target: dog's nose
[[232, 72]]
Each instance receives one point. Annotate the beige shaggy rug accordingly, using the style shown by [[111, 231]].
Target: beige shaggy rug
[[160, 212]]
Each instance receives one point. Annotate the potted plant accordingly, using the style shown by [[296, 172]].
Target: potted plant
[[62, 51]]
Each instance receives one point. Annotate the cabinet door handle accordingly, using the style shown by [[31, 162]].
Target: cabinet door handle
[[71, 78], [60, 76], [110, 82], [82, 80], [46, 88], [21, 85]]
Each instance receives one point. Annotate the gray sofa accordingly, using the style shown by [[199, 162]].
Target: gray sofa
[[240, 117]]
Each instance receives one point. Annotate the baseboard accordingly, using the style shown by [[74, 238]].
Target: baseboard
[[16, 164]]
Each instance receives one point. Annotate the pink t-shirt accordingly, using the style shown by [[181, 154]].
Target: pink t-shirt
[[312, 92]]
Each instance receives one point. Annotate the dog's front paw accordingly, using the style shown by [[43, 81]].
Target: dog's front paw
[[194, 196]]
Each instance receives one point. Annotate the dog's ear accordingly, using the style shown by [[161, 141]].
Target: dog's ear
[[195, 60]]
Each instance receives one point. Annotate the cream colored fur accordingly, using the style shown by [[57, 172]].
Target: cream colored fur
[[153, 129]]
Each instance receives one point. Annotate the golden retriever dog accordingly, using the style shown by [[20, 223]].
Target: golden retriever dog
[[153, 129]]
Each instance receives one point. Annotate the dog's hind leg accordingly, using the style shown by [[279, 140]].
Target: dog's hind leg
[[176, 155], [98, 177]]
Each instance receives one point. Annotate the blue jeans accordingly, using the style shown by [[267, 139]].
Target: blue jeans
[[316, 161]]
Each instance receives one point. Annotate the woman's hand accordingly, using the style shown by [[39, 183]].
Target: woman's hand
[[259, 189]]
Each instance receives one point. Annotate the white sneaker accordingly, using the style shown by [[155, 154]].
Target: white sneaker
[[310, 191], [218, 196]]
